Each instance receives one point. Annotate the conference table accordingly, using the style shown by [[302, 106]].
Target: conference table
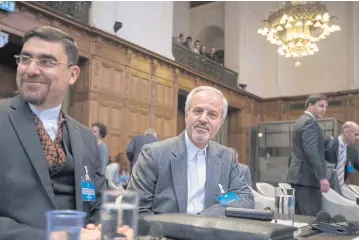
[[304, 233], [307, 233]]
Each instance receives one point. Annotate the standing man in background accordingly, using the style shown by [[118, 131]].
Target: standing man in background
[[307, 170], [135, 146]]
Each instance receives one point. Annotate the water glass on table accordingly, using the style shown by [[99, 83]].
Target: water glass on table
[[284, 206], [64, 224], [119, 215]]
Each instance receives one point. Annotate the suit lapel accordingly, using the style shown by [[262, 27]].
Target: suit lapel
[[212, 175], [178, 163], [24, 126], [336, 150], [77, 153]]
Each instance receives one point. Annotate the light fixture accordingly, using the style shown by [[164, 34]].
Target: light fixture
[[297, 26]]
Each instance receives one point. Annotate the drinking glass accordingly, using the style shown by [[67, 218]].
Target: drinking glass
[[284, 206], [119, 214], [64, 224]]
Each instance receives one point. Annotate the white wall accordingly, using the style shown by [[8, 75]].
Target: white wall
[[147, 24], [231, 38], [333, 68], [181, 18], [232, 26]]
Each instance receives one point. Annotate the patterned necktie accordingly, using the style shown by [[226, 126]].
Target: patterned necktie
[[341, 164], [52, 150]]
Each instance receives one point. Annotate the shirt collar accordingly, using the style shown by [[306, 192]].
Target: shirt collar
[[341, 142], [48, 114], [311, 114], [191, 148]]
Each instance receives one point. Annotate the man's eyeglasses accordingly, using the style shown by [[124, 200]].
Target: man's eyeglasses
[[41, 62]]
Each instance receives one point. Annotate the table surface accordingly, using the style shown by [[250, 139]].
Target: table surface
[[307, 233]]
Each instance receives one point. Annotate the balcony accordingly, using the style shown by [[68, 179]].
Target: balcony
[[74, 9], [204, 65]]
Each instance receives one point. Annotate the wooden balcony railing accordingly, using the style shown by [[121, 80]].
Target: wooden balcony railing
[[204, 65], [78, 10]]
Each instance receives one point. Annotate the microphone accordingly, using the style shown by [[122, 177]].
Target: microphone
[[336, 225], [339, 218], [323, 217]]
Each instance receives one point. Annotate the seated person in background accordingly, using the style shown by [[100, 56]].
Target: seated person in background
[[212, 55], [182, 174], [342, 153], [202, 50], [118, 172], [44, 152], [197, 46], [188, 43], [180, 38]]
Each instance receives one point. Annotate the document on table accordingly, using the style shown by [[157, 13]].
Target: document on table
[[295, 224]]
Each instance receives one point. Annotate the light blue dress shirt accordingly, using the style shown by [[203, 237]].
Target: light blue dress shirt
[[196, 176], [49, 118]]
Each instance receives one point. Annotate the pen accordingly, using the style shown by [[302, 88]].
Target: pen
[[221, 189]]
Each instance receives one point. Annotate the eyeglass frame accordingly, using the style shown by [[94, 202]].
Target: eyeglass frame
[[55, 63]]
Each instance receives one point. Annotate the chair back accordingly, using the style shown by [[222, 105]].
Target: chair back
[[266, 189]]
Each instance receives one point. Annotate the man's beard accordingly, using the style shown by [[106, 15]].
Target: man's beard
[[200, 136], [35, 95]]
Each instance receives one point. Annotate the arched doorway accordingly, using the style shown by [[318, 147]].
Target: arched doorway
[[212, 36]]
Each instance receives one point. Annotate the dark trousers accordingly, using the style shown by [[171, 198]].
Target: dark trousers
[[308, 200]]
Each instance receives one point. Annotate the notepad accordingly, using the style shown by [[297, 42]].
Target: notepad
[[295, 224]]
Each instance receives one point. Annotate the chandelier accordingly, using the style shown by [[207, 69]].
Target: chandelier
[[296, 27]]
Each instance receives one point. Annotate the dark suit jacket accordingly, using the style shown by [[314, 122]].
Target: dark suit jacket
[[160, 177], [331, 155], [135, 146], [307, 165], [26, 188]]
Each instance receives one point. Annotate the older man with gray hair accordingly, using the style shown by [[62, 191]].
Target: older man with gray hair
[[187, 173]]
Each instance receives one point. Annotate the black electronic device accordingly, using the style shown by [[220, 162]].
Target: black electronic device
[[254, 214]]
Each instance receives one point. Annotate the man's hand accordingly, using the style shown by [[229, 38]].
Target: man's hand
[[324, 185], [92, 229], [86, 234], [93, 234]]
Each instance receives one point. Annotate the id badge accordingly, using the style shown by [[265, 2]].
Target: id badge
[[88, 188], [350, 168], [227, 198]]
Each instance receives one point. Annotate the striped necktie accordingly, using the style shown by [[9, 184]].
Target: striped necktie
[[342, 158]]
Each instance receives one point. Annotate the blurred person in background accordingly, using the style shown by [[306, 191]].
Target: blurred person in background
[[100, 131], [135, 146], [118, 172]]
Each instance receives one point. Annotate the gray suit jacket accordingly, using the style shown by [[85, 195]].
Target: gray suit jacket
[[135, 147], [247, 173], [331, 155], [160, 177], [307, 165], [26, 187]]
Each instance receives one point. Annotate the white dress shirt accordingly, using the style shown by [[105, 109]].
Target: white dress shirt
[[342, 159], [196, 176], [49, 119]]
